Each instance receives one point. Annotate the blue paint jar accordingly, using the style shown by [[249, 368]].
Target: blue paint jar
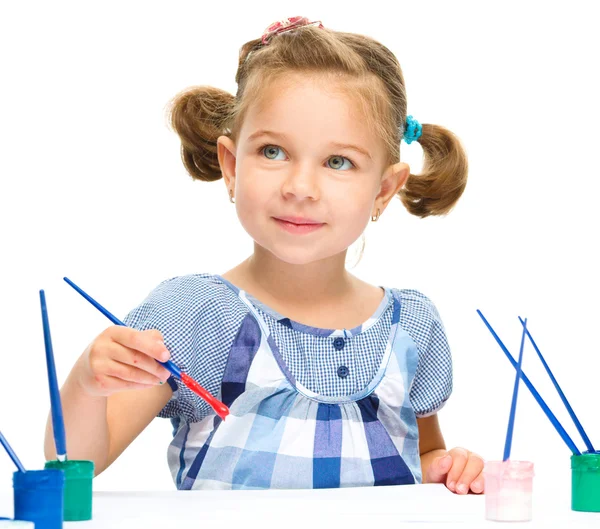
[[38, 497]]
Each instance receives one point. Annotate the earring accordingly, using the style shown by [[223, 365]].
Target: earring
[[231, 199], [375, 218]]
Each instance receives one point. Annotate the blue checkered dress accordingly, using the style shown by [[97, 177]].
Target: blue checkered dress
[[310, 407]]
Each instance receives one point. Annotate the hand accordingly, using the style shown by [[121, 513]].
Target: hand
[[460, 469], [121, 358]]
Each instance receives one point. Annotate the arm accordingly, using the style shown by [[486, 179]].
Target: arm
[[111, 395], [129, 413], [101, 428], [431, 442], [458, 468]]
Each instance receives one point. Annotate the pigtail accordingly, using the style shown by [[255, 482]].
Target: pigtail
[[199, 115], [437, 189]]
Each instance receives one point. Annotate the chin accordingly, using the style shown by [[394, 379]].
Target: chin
[[298, 256], [300, 252]]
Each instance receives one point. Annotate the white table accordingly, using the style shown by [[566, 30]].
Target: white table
[[374, 507]]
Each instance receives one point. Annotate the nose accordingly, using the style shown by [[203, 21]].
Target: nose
[[301, 182]]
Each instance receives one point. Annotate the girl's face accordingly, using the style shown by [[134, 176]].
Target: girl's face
[[304, 154]]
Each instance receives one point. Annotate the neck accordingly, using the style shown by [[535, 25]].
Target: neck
[[298, 284]]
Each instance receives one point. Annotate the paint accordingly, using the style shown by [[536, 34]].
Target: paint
[[221, 409], [38, 497], [78, 488], [585, 482], [508, 490]]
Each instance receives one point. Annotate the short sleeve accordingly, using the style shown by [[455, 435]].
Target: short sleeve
[[198, 321], [432, 383]]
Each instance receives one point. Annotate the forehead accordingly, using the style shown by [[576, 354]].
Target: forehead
[[299, 104]]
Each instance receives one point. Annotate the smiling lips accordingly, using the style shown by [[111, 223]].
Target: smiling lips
[[298, 225]]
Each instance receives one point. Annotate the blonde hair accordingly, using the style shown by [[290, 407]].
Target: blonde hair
[[199, 115]]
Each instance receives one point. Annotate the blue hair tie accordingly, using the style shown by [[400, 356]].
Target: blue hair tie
[[413, 130]]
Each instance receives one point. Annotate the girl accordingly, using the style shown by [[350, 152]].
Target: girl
[[330, 381]]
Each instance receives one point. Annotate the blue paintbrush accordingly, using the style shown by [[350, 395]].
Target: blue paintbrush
[[513, 406], [578, 425], [220, 409], [58, 424], [561, 431], [11, 453]]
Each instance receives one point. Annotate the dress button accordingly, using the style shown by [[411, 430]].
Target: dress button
[[342, 371], [338, 343]]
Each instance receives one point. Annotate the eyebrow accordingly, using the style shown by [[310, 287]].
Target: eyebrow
[[280, 135]]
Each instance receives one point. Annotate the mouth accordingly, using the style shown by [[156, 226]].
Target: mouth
[[298, 225]]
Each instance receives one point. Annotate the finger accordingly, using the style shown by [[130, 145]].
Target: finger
[[149, 342], [436, 473], [460, 457], [129, 373], [478, 485], [139, 360], [472, 469]]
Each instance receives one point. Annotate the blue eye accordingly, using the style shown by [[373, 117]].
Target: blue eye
[[339, 162], [270, 151]]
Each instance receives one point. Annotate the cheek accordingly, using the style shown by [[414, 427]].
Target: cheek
[[353, 225], [351, 203], [252, 202], [251, 182], [254, 193], [248, 193]]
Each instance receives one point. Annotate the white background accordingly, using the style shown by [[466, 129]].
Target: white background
[[92, 187]]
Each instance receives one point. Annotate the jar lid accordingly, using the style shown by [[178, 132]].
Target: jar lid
[[47, 478], [73, 468], [586, 461], [509, 469]]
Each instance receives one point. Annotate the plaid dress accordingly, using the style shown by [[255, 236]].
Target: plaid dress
[[309, 407]]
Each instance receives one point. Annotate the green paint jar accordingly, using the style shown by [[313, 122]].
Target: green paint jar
[[78, 488], [585, 482]]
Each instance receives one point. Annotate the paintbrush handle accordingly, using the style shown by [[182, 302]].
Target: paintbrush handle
[[11, 453], [170, 366], [513, 405], [221, 409], [58, 423], [578, 424], [558, 427]]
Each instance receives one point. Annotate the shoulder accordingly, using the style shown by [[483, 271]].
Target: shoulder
[[420, 318], [199, 317], [188, 297], [192, 287], [416, 305]]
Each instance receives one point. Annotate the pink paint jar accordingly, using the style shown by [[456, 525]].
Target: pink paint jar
[[508, 490]]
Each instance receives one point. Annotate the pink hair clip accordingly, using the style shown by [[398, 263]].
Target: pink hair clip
[[285, 25]]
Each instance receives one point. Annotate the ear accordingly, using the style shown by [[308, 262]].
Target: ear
[[392, 181], [226, 153]]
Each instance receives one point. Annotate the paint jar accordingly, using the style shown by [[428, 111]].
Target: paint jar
[[585, 482], [78, 488], [508, 490], [38, 497]]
